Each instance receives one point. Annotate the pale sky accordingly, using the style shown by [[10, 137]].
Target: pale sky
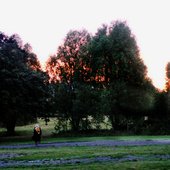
[[45, 23]]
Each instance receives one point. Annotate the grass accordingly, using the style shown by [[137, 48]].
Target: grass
[[145, 165], [29, 154], [88, 152], [28, 129], [24, 134]]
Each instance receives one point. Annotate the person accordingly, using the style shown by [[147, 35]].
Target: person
[[37, 134]]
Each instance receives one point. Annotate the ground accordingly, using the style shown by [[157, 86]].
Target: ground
[[6, 158]]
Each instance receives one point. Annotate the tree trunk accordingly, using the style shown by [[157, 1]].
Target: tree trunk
[[10, 126], [75, 122], [115, 122], [112, 121]]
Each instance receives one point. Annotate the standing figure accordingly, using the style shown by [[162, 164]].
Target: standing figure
[[37, 134]]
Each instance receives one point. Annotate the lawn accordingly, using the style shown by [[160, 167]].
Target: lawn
[[156, 157], [24, 134], [150, 157]]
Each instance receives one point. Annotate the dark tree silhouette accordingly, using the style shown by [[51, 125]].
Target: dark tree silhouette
[[167, 87], [69, 68], [22, 87], [116, 64]]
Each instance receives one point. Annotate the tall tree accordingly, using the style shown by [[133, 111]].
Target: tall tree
[[167, 86], [99, 57], [22, 87], [70, 69], [117, 65]]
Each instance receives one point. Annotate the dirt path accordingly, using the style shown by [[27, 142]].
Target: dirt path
[[92, 143], [100, 159], [10, 163]]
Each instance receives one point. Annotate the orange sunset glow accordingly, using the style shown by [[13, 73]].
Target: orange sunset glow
[[45, 23]]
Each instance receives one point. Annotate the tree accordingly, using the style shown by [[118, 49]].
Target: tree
[[167, 87], [69, 69], [22, 87], [116, 65], [99, 57], [32, 60], [160, 119]]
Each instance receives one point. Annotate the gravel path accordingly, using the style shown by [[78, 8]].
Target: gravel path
[[100, 159], [92, 143], [10, 163]]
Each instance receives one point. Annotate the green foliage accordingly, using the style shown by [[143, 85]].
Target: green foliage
[[90, 78], [69, 65], [22, 87], [100, 76], [72, 72], [116, 65]]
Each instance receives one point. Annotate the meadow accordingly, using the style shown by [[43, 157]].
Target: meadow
[[155, 157]]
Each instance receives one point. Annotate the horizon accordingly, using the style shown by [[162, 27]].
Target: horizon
[[44, 24]]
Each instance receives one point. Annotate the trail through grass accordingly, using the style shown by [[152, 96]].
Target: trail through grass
[[153, 157], [102, 157]]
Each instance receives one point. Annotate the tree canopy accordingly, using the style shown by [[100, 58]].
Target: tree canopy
[[116, 64], [90, 79], [22, 86]]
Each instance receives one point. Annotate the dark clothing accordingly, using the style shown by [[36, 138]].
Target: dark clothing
[[37, 135]]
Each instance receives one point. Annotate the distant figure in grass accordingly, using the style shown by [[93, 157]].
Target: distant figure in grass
[[37, 134]]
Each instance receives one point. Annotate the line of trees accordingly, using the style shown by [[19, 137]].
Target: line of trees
[[91, 79]]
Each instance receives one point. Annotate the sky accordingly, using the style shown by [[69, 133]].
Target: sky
[[45, 23]]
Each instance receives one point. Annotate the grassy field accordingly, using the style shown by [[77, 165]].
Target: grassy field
[[28, 129], [24, 134], [66, 153], [152, 156]]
